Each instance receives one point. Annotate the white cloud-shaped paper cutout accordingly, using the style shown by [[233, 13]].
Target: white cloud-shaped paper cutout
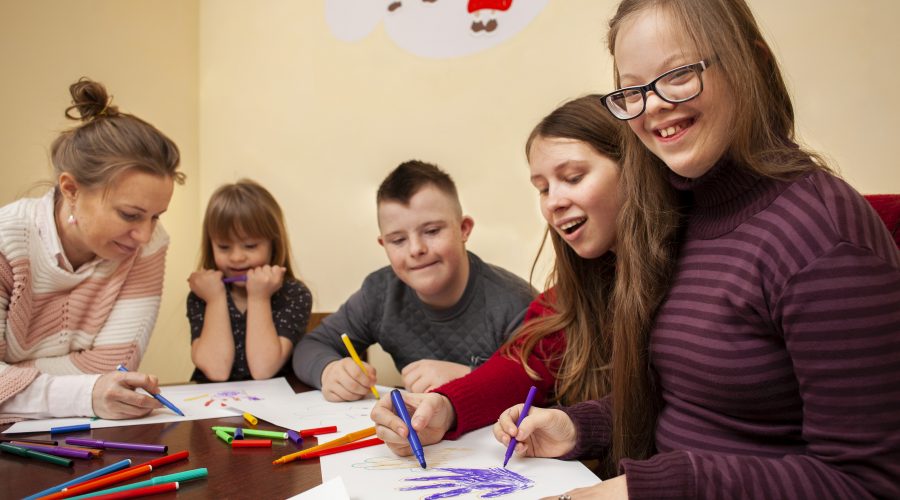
[[433, 28]]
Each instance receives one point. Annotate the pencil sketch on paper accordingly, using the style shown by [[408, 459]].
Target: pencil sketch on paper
[[326, 414], [436, 458], [488, 483]]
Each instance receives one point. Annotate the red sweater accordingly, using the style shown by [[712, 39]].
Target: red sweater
[[506, 381]]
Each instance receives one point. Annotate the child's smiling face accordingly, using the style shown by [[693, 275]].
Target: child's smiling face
[[236, 255], [425, 243], [689, 137]]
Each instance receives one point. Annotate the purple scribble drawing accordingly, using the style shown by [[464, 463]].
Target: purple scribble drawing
[[497, 481]]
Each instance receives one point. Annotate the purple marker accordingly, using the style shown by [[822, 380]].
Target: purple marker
[[96, 443], [60, 452], [525, 409], [235, 279], [238, 433], [295, 436]]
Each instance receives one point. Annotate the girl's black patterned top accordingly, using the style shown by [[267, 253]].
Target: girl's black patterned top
[[291, 305]]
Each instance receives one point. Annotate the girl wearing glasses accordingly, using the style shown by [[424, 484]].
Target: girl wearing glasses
[[776, 354]]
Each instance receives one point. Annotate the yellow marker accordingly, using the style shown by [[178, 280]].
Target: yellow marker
[[250, 418], [349, 438], [358, 361]]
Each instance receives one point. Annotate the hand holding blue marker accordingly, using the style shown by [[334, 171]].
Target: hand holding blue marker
[[400, 408], [522, 415], [158, 397]]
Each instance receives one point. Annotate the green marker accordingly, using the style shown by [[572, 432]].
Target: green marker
[[187, 475], [46, 457], [224, 436], [254, 432]]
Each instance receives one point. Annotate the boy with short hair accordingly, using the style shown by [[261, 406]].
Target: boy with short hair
[[438, 310]]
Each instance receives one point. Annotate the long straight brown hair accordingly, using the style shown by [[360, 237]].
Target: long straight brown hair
[[598, 303], [763, 141]]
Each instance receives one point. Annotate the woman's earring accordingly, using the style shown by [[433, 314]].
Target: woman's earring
[[71, 219]]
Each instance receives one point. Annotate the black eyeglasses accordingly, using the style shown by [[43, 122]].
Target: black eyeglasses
[[674, 86]]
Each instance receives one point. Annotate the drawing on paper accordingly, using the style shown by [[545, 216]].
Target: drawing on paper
[[327, 413], [488, 483], [223, 398], [436, 458]]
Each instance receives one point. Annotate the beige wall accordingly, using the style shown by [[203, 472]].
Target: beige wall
[[263, 90], [146, 54]]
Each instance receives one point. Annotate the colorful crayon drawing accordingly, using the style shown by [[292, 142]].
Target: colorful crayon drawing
[[436, 458], [225, 398], [489, 483]]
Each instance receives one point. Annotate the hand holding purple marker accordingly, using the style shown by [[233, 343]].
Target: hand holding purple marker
[[235, 279], [525, 409]]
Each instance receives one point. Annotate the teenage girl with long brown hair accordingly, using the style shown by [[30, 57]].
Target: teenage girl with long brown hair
[[777, 348]]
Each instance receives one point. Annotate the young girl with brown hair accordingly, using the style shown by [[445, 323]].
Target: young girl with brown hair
[[246, 308], [565, 344], [777, 347]]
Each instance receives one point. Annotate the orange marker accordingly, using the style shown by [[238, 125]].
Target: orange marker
[[346, 447], [349, 438], [117, 477]]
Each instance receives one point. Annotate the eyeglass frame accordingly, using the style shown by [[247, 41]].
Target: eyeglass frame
[[698, 67]]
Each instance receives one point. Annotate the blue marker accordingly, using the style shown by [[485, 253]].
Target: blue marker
[[400, 408], [90, 475], [70, 428], [512, 442], [158, 397]]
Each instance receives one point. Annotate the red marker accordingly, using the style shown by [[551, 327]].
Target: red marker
[[316, 431], [251, 443], [155, 463], [139, 492], [346, 447]]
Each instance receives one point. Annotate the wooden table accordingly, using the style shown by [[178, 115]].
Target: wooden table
[[233, 473]]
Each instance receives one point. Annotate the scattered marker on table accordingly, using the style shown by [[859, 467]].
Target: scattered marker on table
[[316, 431], [238, 433], [188, 475], [159, 397], [252, 432], [56, 450], [252, 443], [82, 479], [45, 442], [345, 447], [250, 418], [44, 457], [70, 428], [295, 437], [224, 436], [96, 443]]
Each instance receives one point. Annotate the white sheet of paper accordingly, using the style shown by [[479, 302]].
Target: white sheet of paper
[[376, 473], [332, 489], [310, 409], [196, 401]]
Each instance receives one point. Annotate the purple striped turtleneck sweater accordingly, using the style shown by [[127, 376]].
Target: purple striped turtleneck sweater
[[777, 348]]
